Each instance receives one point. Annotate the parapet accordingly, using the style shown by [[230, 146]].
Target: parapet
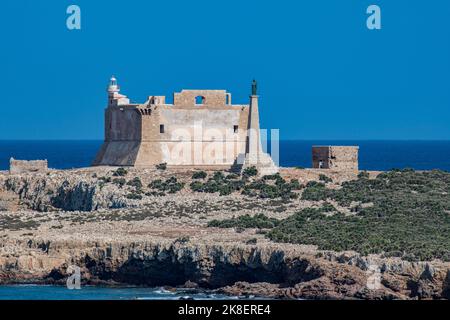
[[211, 98], [24, 166], [156, 100], [341, 158]]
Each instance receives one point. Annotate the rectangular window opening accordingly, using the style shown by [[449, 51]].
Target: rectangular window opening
[[161, 128], [235, 128]]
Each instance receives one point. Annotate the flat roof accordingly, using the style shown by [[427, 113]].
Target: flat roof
[[334, 146]]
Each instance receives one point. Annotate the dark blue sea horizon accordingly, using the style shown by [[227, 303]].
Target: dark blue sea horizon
[[373, 154]]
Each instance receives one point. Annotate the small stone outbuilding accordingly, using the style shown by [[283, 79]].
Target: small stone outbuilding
[[341, 158], [24, 166]]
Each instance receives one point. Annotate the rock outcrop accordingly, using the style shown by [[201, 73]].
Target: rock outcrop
[[234, 269], [64, 192]]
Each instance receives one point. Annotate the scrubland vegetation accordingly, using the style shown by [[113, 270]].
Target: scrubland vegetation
[[407, 214]]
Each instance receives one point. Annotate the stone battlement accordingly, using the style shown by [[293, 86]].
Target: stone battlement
[[210, 98]]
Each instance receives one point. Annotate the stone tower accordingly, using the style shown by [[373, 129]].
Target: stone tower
[[254, 153]]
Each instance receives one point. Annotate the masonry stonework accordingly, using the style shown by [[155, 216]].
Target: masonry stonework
[[23, 166], [341, 158]]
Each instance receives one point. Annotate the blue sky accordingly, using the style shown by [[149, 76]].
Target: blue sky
[[322, 74]]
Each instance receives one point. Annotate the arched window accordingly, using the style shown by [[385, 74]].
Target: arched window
[[199, 100]]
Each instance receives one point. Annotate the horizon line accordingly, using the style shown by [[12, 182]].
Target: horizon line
[[287, 139]]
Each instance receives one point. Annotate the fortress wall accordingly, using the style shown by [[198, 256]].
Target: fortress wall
[[219, 123], [123, 124], [24, 166], [157, 100], [201, 153], [321, 157], [117, 153], [122, 137], [212, 98], [202, 136], [150, 148], [344, 158]]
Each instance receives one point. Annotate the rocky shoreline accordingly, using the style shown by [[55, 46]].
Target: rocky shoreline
[[165, 241], [282, 272]]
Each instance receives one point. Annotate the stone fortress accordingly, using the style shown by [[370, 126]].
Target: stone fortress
[[201, 129]]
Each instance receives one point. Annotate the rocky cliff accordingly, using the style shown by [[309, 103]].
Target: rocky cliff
[[56, 191], [268, 271]]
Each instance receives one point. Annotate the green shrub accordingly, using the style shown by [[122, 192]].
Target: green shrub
[[218, 183], [135, 182], [295, 185], [218, 176], [155, 194], [105, 179], [232, 176], [156, 184], [171, 185], [276, 186], [119, 182], [328, 207], [134, 196], [199, 175], [363, 175], [250, 172], [325, 178], [161, 166], [258, 221], [183, 240], [275, 176], [315, 191], [196, 186], [279, 189], [120, 172]]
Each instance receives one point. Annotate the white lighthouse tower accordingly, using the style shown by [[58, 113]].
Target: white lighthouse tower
[[114, 97]]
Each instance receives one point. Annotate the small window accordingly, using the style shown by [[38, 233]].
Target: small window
[[199, 100], [161, 128], [235, 128]]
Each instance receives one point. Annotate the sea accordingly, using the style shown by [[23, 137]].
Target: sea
[[50, 292], [373, 155]]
